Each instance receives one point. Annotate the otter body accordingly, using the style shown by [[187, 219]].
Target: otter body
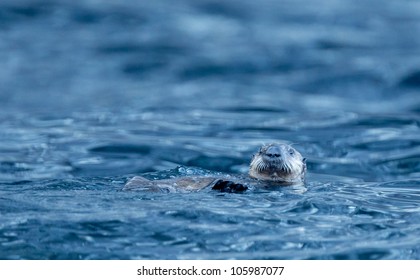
[[273, 165]]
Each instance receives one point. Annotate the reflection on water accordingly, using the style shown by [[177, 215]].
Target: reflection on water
[[94, 94]]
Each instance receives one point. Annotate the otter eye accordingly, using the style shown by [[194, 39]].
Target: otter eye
[[291, 152]]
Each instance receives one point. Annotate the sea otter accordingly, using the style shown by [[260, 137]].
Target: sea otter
[[275, 164]]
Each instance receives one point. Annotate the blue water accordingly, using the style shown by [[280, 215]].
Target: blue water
[[95, 92]]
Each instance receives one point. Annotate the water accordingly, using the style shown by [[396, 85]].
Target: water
[[95, 92]]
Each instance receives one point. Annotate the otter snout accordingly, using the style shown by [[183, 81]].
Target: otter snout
[[273, 151]]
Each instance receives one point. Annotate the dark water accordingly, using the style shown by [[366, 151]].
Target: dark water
[[93, 92]]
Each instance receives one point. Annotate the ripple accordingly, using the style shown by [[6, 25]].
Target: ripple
[[412, 79], [122, 149], [163, 91]]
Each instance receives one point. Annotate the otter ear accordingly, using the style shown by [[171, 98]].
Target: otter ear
[[304, 160]]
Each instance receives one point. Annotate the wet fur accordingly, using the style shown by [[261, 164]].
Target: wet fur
[[285, 167]]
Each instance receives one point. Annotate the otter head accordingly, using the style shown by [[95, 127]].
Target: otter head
[[278, 163]]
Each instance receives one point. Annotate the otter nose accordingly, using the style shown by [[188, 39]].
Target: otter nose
[[273, 151]]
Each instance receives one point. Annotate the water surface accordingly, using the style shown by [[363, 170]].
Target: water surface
[[93, 93]]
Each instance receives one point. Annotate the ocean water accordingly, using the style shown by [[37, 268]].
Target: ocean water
[[95, 92]]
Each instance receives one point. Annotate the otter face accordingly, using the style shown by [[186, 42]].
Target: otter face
[[279, 163]]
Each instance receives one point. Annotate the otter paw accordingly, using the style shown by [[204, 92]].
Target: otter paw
[[229, 186]]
